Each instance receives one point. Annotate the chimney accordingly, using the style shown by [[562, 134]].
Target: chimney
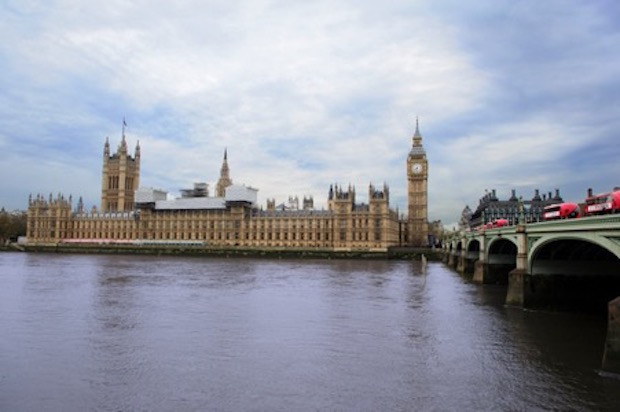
[[513, 197], [589, 192]]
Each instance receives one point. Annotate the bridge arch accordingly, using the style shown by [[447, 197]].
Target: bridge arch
[[458, 249], [574, 255], [469, 255], [501, 258], [573, 272], [459, 246], [502, 250], [473, 248]]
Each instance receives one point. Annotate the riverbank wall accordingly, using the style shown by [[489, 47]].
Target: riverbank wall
[[400, 253]]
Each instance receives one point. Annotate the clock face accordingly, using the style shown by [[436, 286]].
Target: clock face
[[416, 168]]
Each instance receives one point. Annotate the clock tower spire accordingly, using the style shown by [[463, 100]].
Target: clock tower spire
[[417, 184]]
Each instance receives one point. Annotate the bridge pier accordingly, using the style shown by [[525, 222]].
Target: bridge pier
[[480, 269], [469, 263], [445, 258], [460, 264], [519, 275], [451, 260], [516, 287], [611, 355]]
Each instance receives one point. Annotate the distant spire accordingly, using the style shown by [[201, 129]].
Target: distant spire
[[224, 171], [417, 128], [122, 148], [225, 180], [417, 149]]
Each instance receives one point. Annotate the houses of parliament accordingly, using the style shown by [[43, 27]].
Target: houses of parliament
[[230, 216]]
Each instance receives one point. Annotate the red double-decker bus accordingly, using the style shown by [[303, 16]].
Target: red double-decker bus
[[603, 203], [494, 224], [567, 210]]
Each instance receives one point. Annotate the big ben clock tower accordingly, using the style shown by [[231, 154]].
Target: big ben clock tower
[[417, 178]]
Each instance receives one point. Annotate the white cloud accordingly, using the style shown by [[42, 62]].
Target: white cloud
[[306, 94]]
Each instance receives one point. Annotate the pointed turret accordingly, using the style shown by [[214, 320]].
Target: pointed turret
[[136, 179], [106, 149], [417, 149], [122, 148], [225, 180], [417, 137], [225, 171]]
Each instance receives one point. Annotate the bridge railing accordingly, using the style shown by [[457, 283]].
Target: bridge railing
[[602, 222]]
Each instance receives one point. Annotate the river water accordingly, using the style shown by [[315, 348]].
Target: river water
[[135, 333]]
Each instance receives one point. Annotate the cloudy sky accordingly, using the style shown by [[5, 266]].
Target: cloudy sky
[[304, 94]]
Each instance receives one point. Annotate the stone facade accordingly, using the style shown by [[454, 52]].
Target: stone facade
[[120, 178], [491, 208], [230, 217]]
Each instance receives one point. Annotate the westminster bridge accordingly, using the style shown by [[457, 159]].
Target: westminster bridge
[[569, 264], [562, 264]]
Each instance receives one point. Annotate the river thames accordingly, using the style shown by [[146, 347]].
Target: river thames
[[144, 333]]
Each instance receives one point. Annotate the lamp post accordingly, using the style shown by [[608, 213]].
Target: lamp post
[[527, 207], [523, 210]]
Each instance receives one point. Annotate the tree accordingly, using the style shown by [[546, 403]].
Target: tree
[[12, 224]]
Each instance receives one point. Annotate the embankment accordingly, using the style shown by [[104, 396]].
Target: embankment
[[273, 253]]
